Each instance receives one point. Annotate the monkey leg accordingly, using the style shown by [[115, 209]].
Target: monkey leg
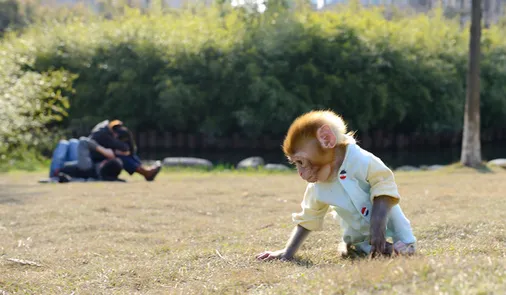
[[401, 248], [399, 227], [342, 249]]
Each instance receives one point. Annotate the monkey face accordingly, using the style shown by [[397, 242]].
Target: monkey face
[[312, 142], [306, 169], [314, 163]]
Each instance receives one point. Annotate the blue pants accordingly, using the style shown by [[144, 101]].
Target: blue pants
[[65, 151], [130, 163]]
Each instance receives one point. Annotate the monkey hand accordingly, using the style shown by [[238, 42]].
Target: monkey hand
[[381, 206], [378, 243], [270, 255]]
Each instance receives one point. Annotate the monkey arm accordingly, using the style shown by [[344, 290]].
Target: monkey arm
[[299, 234], [381, 179], [310, 218], [384, 195], [380, 209]]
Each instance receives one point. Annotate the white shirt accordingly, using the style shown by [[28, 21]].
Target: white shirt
[[361, 178]]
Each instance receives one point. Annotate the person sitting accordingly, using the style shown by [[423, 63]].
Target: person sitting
[[64, 152], [114, 135], [83, 167], [107, 170], [75, 151]]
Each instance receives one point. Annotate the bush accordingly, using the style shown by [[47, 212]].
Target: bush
[[30, 103], [222, 71], [10, 16]]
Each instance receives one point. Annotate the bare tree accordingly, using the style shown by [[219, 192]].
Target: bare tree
[[462, 12], [471, 145], [487, 12]]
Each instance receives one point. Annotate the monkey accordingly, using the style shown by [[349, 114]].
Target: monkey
[[358, 187]]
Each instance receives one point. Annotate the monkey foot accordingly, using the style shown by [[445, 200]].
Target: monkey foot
[[342, 249], [401, 248]]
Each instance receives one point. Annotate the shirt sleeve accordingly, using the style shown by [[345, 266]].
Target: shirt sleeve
[[381, 179], [92, 145], [107, 141], [313, 211]]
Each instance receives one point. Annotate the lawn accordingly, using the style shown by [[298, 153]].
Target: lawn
[[198, 233]]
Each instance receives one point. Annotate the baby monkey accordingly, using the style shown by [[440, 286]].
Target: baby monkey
[[356, 185]]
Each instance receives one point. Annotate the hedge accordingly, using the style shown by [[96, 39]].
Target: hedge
[[220, 71]]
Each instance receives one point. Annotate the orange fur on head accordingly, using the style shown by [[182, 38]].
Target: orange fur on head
[[305, 127]]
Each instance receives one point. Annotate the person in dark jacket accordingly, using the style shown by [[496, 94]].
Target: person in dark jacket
[[114, 135], [84, 168]]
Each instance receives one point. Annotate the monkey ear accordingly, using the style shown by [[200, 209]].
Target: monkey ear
[[326, 137]]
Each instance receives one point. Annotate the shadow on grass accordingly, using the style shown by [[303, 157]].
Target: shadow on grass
[[302, 262], [355, 256], [14, 194], [351, 257]]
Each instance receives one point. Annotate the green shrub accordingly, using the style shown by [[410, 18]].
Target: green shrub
[[30, 103], [220, 71]]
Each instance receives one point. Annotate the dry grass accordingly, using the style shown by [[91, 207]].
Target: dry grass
[[198, 233]]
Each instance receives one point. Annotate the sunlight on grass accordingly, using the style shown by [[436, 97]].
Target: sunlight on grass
[[196, 232]]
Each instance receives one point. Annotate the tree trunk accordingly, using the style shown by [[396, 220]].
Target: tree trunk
[[471, 146]]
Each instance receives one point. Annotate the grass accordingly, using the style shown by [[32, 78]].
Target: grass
[[193, 232], [25, 165]]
